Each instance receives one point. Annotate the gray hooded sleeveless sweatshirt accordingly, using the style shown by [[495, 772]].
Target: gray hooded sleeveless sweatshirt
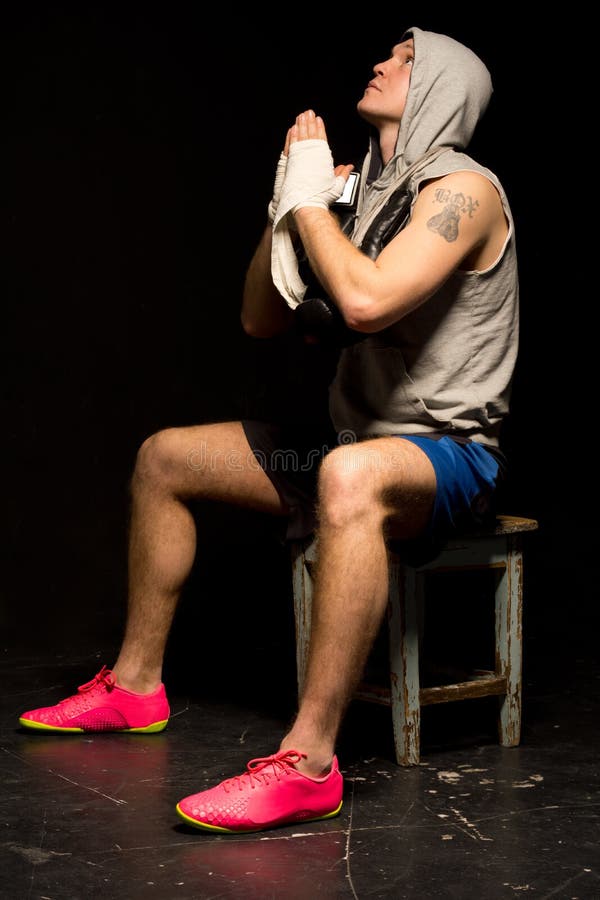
[[448, 365]]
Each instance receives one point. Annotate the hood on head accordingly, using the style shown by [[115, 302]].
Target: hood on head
[[450, 89]]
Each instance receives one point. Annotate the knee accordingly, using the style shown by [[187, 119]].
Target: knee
[[347, 489], [156, 460]]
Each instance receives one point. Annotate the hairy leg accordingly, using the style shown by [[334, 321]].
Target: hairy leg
[[363, 489], [174, 467]]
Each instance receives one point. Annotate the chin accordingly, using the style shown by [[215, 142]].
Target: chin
[[363, 110]]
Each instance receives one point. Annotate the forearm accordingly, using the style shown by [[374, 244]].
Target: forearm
[[346, 274], [264, 312], [412, 267]]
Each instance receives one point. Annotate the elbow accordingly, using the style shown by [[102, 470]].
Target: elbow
[[370, 316], [361, 317], [252, 329], [256, 329]]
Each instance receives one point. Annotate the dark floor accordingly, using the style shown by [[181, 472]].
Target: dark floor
[[116, 325], [94, 817], [87, 817]]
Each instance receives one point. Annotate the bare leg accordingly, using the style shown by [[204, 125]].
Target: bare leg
[[362, 488], [175, 466]]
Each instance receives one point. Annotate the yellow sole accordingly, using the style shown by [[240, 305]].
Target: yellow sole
[[39, 726], [205, 827]]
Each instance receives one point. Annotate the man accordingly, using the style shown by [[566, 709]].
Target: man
[[422, 389]]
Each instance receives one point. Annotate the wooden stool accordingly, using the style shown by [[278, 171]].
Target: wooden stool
[[498, 548]]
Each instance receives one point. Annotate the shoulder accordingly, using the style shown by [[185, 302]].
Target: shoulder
[[463, 188], [464, 195]]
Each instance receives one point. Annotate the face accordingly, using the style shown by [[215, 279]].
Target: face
[[385, 96]]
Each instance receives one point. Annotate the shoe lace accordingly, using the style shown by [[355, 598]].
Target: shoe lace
[[104, 676], [279, 764]]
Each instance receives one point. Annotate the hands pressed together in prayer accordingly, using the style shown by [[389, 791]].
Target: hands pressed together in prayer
[[305, 174]]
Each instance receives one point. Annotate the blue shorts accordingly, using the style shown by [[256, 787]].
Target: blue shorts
[[467, 480], [468, 476]]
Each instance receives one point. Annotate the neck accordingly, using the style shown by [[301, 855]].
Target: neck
[[388, 136]]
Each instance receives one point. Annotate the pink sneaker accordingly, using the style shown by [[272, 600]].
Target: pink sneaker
[[101, 705], [272, 792]]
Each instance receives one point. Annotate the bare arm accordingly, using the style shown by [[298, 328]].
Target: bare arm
[[456, 219], [264, 311]]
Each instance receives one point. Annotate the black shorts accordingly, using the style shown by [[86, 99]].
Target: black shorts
[[468, 476], [290, 455]]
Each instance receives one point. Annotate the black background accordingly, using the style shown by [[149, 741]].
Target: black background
[[140, 148]]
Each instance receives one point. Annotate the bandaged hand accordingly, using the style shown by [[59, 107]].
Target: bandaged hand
[[309, 178], [277, 186]]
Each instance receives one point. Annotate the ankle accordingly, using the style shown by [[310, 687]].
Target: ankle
[[316, 758], [139, 682]]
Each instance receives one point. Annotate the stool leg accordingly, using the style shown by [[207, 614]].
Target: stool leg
[[406, 594], [509, 605], [302, 587]]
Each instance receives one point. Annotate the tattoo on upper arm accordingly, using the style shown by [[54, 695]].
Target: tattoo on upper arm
[[446, 222]]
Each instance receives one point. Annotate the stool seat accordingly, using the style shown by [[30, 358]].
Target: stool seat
[[497, 547]]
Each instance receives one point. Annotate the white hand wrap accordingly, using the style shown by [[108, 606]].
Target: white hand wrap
[[277, 186], [309, 181], [309, 178]]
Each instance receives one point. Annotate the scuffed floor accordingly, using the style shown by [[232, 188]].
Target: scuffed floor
[[85, 817]]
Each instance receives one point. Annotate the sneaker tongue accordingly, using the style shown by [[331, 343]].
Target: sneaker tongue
[[281, 760], [104, 677], [263, 768], [290, 756]]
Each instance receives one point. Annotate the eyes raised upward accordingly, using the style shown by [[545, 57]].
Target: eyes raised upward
[[404, 53]]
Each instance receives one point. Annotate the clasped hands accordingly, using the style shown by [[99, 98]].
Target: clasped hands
[[305, 174]]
